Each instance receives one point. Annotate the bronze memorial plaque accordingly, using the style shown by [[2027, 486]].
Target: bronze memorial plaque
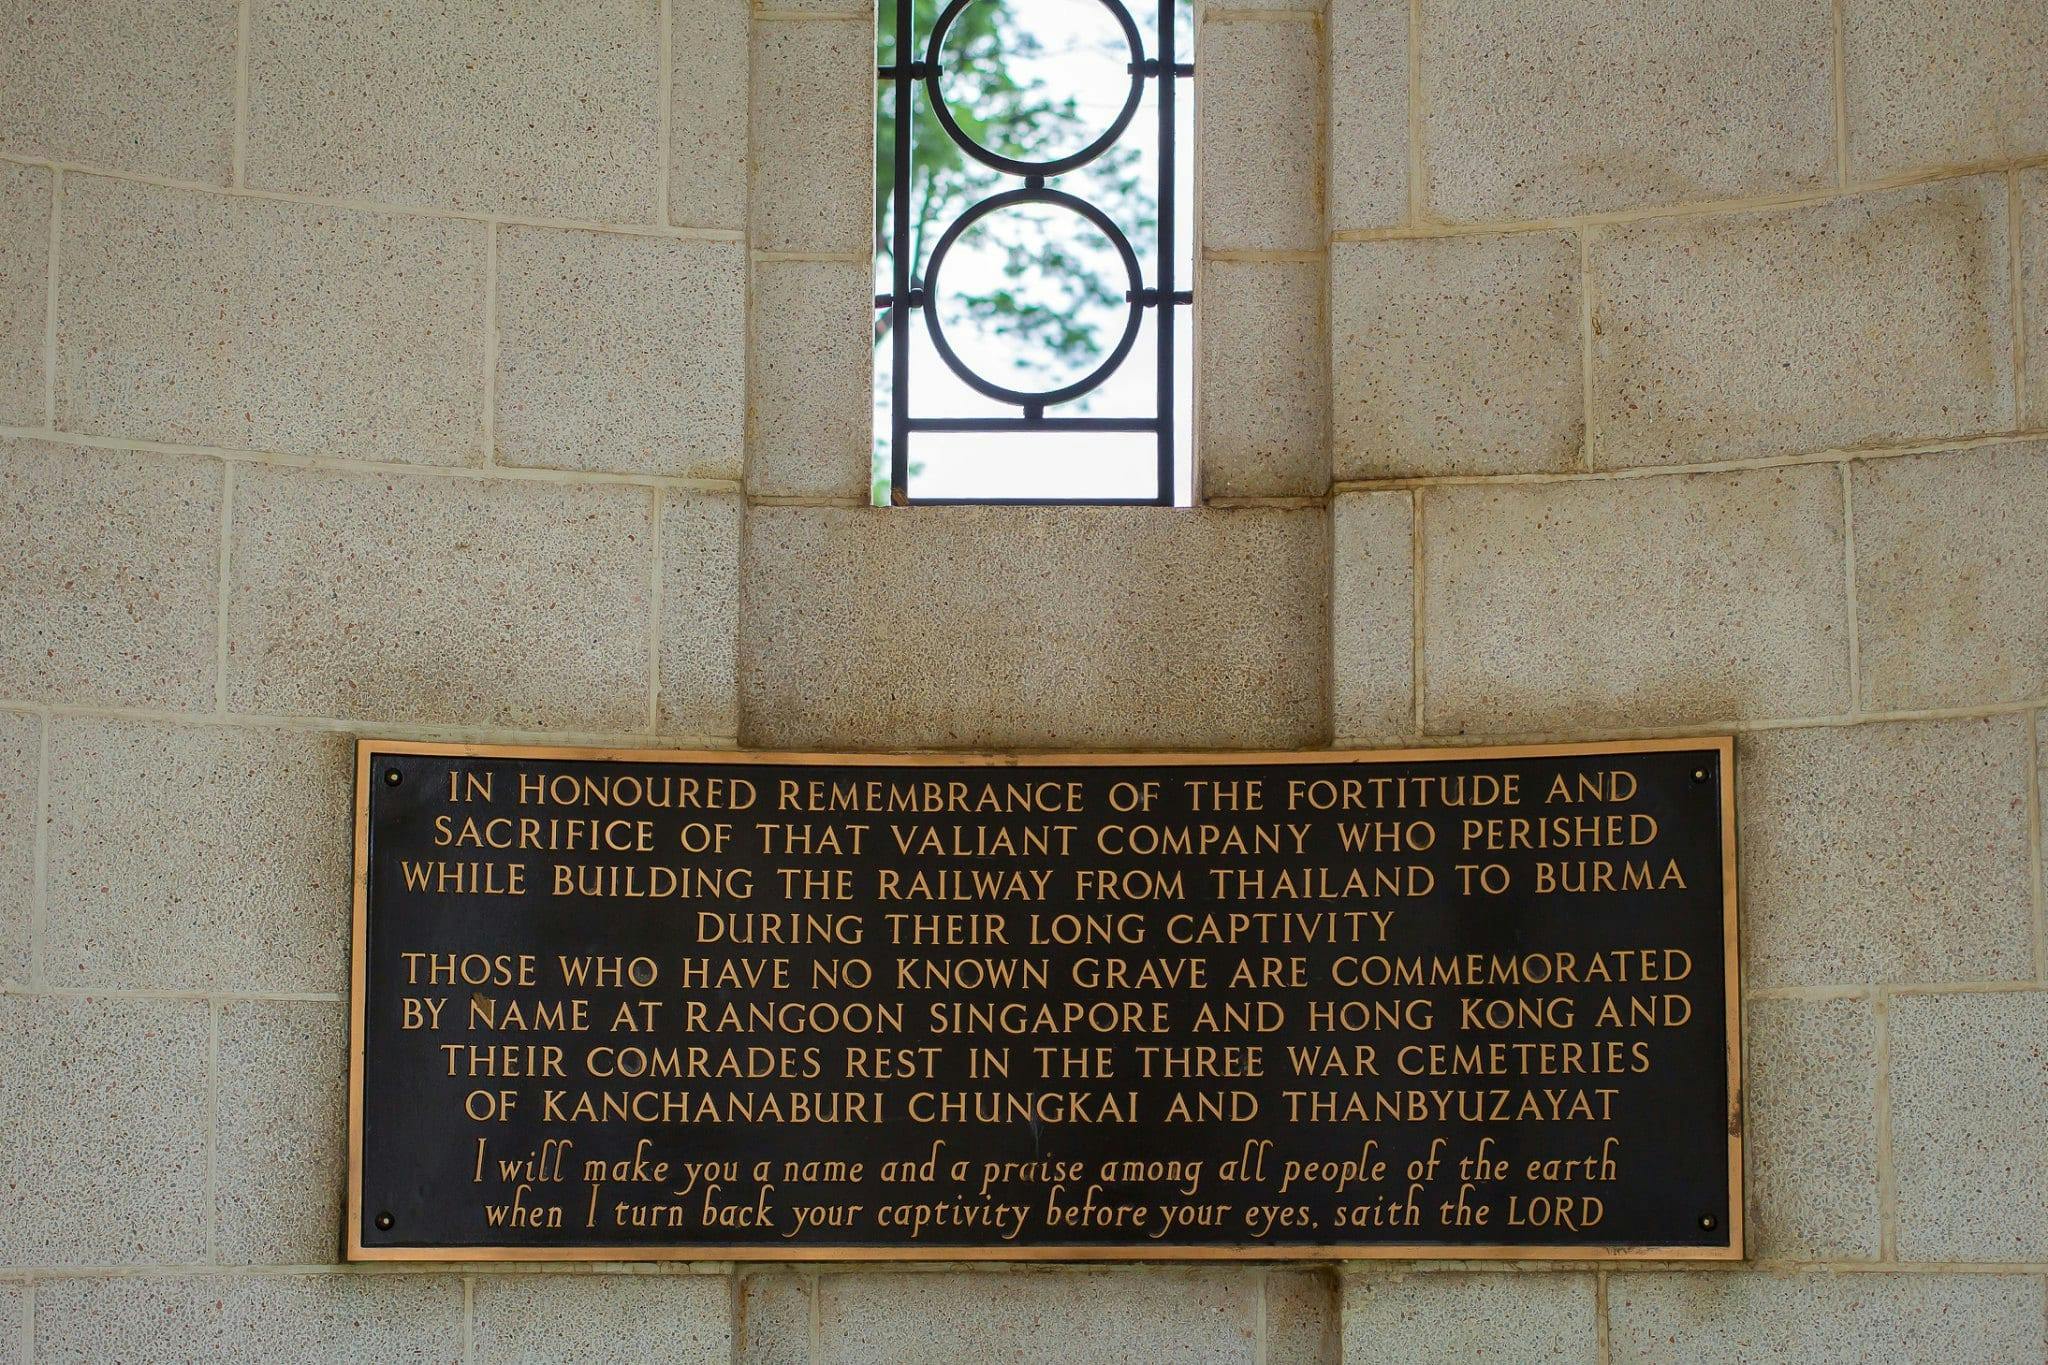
[[633, 1005]]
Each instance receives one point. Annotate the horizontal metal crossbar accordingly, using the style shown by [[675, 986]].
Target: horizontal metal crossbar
[[1033, 423]]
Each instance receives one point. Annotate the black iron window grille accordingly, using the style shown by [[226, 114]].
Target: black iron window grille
[[912, 292]]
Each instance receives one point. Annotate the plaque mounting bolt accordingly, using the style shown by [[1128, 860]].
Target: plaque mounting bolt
[[1699, 774], [384, 1222], [392, 777], [1707, 1222]]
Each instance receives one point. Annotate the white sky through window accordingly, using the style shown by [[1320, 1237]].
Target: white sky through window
[[1080, 56]]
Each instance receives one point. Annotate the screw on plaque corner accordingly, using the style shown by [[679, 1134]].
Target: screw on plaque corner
[[392, 777], [1700, 774], [385, 1222], [1708, 1222]]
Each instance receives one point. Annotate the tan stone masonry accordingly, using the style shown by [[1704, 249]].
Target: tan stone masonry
[[1565, 370]]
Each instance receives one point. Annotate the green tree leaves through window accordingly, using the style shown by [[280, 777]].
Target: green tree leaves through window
[[1033, 295]]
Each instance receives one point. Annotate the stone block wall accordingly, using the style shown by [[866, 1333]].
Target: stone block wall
[[501, 372]]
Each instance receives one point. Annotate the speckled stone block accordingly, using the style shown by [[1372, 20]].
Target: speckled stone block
[[2034, 292], [772, 1320], [1949, 564], [132, 85], [1811, 1102], [548, 111], [812, 396], [103, 1108], [13, 1323], [1260, 152], [296, 1319], [1887, 853], [113, 576], [967, 627], [814, 136], [773, 8], [1302, 1325], [538, 1319], [463, 601], [1372, 615], [20, 743], [259, 324], [1265, 382], [24, 290], [197, 857], [1879, 318], [282, 1117], [1735, 1317], [1969, 1077], [971, 1319], [1368, 152], [700, 611], [707, 142], [1943, 82], [1650, 601], [1588, 106], [621, 353], [1456, 356], [1453, 1318]]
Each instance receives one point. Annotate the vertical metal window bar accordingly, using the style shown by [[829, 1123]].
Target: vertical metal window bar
[[908, 295]]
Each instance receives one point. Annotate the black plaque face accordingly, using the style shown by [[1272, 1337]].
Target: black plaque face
[[1461, 1003]]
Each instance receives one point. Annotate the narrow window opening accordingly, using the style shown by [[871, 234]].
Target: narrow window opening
[[1034, 252]]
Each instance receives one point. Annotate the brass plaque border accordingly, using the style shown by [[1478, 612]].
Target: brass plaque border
[[1723, 745]]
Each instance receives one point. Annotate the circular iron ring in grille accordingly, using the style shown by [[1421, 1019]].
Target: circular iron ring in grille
[[1060, 199], [1058, 165]]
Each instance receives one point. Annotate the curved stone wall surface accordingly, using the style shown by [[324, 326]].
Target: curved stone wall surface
[[490, 371]]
